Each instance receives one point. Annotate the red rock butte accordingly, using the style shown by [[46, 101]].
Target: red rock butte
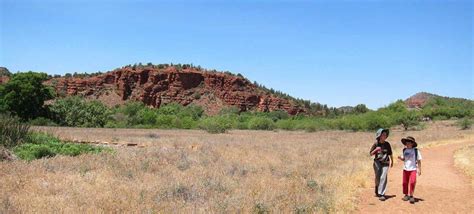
[[160, 86]]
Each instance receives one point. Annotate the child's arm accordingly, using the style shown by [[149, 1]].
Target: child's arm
[[419, 167], [401, 157]]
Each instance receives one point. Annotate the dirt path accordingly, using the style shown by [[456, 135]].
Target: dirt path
[[440, 189]]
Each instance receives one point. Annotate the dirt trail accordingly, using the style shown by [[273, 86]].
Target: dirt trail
[[441, 188]]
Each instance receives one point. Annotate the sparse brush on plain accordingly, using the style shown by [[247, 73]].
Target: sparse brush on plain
[[40, 145], [193, 171]]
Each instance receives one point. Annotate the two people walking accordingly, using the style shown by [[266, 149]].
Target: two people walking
[[383, 159]]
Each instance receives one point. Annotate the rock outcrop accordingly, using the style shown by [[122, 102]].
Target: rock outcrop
[[419, 100], [159, 86]]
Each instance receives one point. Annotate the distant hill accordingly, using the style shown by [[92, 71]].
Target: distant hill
[[420, 100], [157, 85]]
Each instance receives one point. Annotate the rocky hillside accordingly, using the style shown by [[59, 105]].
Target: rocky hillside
[[160, 85], [419, 99]]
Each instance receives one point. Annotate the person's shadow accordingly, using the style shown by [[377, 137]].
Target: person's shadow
[[388, 197], [419, 200]]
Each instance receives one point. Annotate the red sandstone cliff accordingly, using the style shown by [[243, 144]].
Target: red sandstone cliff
[[158, 86]]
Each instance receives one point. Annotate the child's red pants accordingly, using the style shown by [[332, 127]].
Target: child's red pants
[[409, 178]]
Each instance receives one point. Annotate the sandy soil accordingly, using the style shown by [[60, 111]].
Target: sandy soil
[[441, 188]]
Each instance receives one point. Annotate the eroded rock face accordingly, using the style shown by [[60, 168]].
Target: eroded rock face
[[156, 87], [419, 100]]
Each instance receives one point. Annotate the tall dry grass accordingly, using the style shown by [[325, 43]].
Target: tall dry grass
[[464, 159], [192, 171]]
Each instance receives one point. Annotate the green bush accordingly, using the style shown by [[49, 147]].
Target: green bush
[[215, 125], [12, 131], [41, 145], [76, 111], [261, 123], [287, 124]]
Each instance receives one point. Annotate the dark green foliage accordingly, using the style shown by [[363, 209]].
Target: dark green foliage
[[12, 131], [360, 109], [24, 95], [76, 111], [43, 145], [41, 121]]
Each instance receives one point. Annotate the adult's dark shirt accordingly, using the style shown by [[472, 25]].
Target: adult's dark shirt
[[384, 156]]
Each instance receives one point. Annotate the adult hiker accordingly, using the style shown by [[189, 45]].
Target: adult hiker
[[382, 152]]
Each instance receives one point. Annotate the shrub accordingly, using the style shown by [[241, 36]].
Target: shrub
[[465, 123], [408, 119], [288, 124], [260, 123], [12, 131], [215, 124]]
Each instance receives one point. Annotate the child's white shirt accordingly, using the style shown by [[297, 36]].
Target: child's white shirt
[[409, 156]]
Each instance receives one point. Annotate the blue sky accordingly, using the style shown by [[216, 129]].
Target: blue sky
[[333, 52]]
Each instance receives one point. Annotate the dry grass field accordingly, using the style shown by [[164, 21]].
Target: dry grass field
[[176, 171], [464, 159]]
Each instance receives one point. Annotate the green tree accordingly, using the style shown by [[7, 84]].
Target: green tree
[[360, 109], [24, 95]]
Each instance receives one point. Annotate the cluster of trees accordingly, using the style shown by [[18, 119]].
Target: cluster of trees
[[24, 96]]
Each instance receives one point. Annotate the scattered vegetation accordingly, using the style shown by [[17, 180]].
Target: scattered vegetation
[[42, 145]]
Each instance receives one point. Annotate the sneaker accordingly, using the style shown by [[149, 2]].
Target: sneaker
[[412, 200], [382, 198], [406, 198]]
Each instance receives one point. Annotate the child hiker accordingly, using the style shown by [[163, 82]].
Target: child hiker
[[412, 163], [382, 160]]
